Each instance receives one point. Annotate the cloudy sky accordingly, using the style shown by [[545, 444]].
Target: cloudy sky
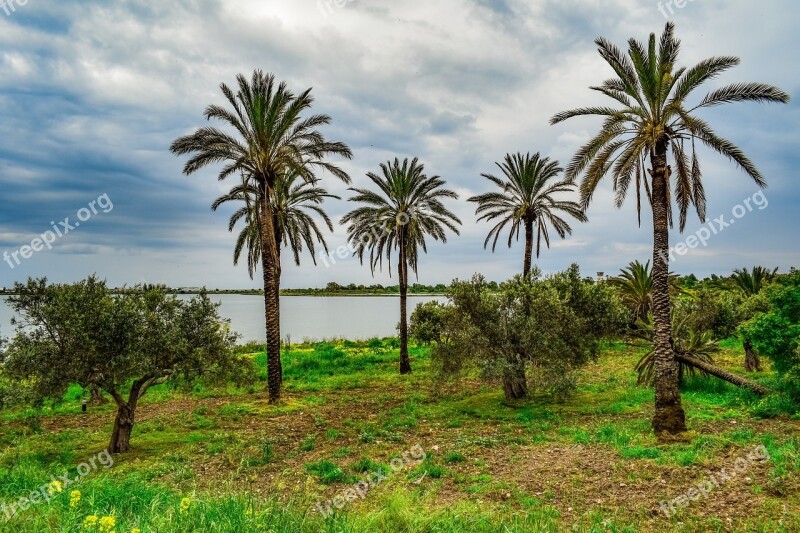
[[93, 92]]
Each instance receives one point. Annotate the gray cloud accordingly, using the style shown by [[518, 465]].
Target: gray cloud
[[92, 93]]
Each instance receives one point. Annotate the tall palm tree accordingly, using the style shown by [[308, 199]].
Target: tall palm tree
[[655, 121], [295, 227], [271, 137], [752, 282], [406, 208], [527, 200]]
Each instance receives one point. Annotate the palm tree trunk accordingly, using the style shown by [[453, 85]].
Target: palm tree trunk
[[278, 244], [752, 363], [669, 416], [723, 374], [270, 262], [402, 267], [526, 267], [515, 381]]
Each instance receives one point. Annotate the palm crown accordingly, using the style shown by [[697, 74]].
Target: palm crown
[[655, 112], [528, 196], [752, 282], [295, 227], [407, 208], [272, 135]]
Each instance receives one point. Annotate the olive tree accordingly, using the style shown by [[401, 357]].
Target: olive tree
[[552, 325], [124, 344], [776, 333]]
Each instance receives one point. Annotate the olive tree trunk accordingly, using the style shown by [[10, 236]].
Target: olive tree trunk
[[752, 362], [515, 382], [669, 416], [123, 426], [96, 396]]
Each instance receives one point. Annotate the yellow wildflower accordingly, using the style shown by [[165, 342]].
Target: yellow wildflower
[[90, 521], [74, 498], [55, 486], [136, 530], [107, 524], [185, 504]]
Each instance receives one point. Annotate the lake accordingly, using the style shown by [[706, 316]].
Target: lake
[[302, 317]]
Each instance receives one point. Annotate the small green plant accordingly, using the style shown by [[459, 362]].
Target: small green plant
[[308, 443], [267, 452], [327, 472], [455, 457], [367, 436], [367, 465]]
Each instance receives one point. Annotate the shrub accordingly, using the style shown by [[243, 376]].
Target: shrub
[[555, 324], [776, 333], [426, 322]]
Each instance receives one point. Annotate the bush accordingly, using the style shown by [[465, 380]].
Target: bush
[[426, 322], [716, 311], [776, 333], [554, 324]]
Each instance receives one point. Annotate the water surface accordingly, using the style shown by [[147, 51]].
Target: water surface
[[302, 317]]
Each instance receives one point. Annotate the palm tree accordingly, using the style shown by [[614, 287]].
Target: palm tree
[[249, 238], [295, 227], [697, 344], [271, 138], [694, 352], [527, 199], [635, 284], [406, 208], [655, 119], [752, 283]]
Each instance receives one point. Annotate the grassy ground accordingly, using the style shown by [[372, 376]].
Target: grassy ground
[[226, 460]]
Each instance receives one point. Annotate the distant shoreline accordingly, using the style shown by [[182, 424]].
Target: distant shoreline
[[286, 292]]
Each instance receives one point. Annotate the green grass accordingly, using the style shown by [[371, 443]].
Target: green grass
[[533, 465], [327, 472]]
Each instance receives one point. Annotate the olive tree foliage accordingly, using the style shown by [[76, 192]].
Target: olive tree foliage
[[123, 344], [427, 321], [776, 333], [722, 311], [9, 393], [555, 325]]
